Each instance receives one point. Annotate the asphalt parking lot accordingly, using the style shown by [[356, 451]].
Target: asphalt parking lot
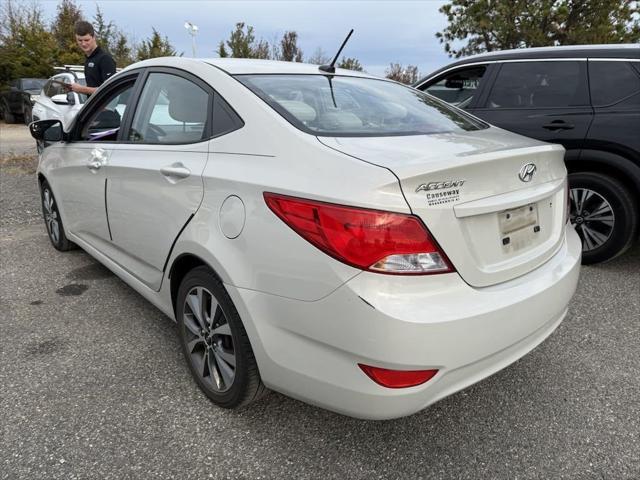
[[94, 385]]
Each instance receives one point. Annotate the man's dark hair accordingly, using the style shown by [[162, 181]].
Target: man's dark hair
[[83, 28]]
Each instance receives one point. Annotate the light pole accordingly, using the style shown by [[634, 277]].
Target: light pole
[[193, 30]]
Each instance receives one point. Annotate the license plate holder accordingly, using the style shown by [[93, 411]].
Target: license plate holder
[[519, 226]]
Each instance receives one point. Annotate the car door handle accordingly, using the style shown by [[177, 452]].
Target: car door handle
[[94, 165], [559, 125], [175, 171]]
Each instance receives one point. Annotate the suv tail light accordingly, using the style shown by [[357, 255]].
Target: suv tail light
[[374, 240]]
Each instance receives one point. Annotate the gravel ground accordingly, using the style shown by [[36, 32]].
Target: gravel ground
[[15, 139], [93, 385]]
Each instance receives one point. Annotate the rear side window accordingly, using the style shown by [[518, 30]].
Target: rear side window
[[225, 119], [458, 88], [612, 83], [171, 110], [540, 85]]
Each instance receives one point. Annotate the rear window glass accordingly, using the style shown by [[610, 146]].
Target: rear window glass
[[612, 82], [326, 105], [33, 83]]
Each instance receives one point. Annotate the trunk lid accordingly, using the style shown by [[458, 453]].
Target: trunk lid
[[466, 188]]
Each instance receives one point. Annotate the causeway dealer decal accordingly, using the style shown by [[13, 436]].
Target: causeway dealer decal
[[439, 193]]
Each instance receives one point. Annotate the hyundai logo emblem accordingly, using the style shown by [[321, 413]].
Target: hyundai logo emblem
[[527, 172]]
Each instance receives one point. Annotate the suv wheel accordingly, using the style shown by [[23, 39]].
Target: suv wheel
[[215, 343], [604, 214], [6, 113], [27, 113]]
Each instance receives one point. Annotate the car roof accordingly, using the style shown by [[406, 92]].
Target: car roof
[[242, 66], [631, 51]]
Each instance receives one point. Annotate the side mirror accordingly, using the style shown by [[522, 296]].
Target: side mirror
[[71, 99], [47, 130], [60, 99]]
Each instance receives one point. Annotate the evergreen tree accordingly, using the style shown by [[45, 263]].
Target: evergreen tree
[[27, 48], [155, 46], [68, 14], [289, 50], [350, 64], [488, 25]]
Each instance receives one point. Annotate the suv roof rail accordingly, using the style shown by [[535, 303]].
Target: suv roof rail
[[70, 68]]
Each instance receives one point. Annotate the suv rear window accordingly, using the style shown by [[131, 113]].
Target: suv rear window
[[549, 84], [612, 82], [344, 106]]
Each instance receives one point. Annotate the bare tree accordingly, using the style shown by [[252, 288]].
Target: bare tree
[[397, 72], [319, 57]]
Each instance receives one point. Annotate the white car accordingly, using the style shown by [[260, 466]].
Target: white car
[[343, 239], [55, 102]]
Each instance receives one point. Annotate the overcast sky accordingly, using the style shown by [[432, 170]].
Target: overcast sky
[[385, 31]]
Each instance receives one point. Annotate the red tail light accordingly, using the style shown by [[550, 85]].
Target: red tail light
[[397, 378], [373, 240]]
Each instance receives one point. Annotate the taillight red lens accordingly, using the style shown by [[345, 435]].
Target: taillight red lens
[[374, 240], [397, 378]]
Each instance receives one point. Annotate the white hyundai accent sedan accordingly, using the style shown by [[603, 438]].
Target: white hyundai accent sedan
[[342, 239]]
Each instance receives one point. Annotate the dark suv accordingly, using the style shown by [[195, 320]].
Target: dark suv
[[586, 98]]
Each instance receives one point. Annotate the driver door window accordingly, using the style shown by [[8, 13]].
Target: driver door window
[[458, 88], [104, 123]]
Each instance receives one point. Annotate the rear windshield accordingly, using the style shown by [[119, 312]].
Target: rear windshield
[[33, 83], [336, 106]]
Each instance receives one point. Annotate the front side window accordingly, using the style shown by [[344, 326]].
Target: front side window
[[104, 123], [352, 106], [458, 88], [540, 85], [171, 110]]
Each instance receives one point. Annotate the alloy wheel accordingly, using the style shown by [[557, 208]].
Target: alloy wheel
[[208, 339], [592, 216], [51, 216]]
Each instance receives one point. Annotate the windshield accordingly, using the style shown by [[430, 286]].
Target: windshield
[[33, 83], [334, 106]]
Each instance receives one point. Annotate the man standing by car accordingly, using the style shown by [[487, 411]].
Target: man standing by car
[[98, 64]]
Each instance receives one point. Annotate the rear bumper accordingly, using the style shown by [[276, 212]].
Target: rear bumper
[[310, 350]]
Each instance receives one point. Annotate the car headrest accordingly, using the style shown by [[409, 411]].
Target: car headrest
[[188, 105]]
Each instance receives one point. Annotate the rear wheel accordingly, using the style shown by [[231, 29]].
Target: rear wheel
[[604, 214], [53, 221], [215, 343]]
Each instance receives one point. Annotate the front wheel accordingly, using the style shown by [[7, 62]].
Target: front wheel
[[27, 114], [215, 343], [53, 221], [604, 214]]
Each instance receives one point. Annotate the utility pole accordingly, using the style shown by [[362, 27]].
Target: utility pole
[[192, 30]]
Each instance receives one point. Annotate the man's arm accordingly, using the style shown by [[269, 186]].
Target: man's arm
[[76, 87]]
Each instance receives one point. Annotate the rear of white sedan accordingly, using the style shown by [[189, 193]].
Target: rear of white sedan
[[349, 241], [415, 249]]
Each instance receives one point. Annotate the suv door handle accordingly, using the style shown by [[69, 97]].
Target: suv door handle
[[176, 171], [559, 125]]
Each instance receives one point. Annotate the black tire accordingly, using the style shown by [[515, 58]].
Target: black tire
[[203, 350], [6, 113], [607, 234], [53, 221], [27, 114]]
